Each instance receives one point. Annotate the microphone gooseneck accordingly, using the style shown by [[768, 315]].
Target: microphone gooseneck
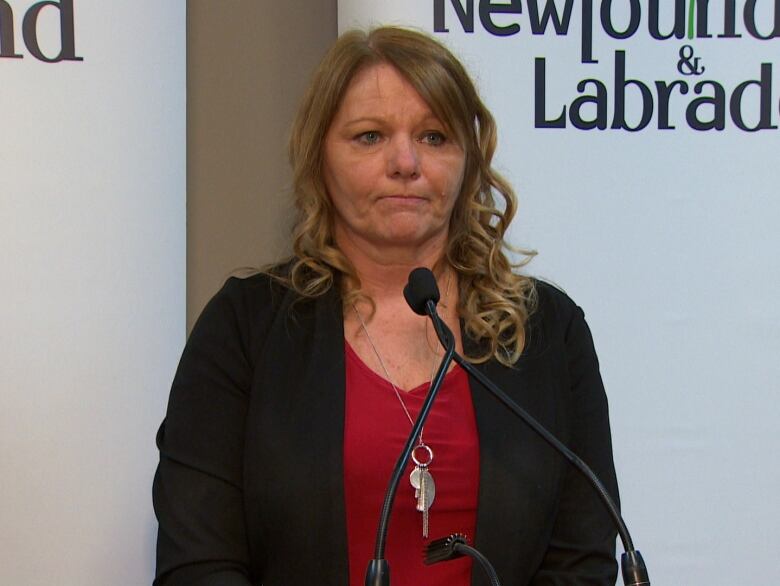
[[419, 292], [378, 571]]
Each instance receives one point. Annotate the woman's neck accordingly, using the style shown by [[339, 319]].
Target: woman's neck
[[384, 272]]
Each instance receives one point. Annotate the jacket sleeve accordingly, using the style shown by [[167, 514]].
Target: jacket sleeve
[[581, 549], [197, 489]]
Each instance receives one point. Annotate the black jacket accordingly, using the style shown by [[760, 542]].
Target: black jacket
[[249, 489]]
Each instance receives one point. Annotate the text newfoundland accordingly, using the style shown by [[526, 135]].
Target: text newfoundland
[[704, 103]]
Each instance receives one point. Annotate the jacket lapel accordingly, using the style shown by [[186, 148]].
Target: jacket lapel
[[298, 423]]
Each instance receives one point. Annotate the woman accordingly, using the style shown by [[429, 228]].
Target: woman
[[298, 386]]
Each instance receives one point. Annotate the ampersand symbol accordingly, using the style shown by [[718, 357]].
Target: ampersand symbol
[[688, 64]]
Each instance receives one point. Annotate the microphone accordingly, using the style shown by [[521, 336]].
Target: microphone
[[421, 289], [422, 294], [419, 294], [427, 295]]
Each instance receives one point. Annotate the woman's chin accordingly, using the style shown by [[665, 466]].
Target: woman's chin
[[411, 236], [393, 234]]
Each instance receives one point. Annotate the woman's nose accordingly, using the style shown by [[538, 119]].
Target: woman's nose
[[402, 158]]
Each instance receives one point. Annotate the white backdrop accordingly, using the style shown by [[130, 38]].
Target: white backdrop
[[668, 239], [92, 234]]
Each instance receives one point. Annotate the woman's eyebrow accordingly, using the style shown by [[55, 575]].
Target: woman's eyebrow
[[362, 119], [430, 118]]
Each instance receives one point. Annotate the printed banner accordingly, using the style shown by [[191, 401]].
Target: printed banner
[[92, 229], [642, 139]]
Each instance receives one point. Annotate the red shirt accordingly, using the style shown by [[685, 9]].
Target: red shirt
[[375, 431]]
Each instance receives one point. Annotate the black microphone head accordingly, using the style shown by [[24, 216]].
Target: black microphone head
[[420, 289]]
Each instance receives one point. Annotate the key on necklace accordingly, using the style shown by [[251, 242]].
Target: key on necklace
[[423, 484], [425, 492]]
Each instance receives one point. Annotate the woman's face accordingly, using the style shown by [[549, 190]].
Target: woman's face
[[391, 170]]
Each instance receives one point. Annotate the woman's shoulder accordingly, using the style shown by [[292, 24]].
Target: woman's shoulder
[[247, 291], [245, 305], [551, 297], [256, 287], [555, 312], [256, 299]]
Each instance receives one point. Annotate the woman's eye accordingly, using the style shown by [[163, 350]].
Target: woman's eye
[[369, 137], [434, 138]]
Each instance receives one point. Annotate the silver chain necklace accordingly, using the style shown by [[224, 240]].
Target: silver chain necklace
[[420, 478]]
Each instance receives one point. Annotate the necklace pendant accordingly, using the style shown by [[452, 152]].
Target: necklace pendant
[[423, 484], [420, 478], [425, 492]]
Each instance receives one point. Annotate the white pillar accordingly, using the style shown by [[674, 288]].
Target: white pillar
[[92, 283]]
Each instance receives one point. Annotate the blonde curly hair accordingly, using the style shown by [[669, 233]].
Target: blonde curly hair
[[494, 301]]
